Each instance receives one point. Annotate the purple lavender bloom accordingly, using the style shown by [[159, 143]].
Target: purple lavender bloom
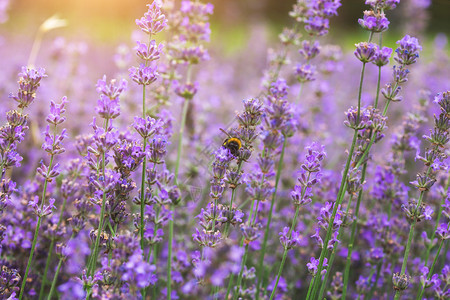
[[55, 112], [314, 263], [317, 25], [383, 4], [305, 72], [144, 75], [113, 89], [365, 118], [207, 239], [382, 56], [148, 52], [443, 231], [376, 255], [108, 108], [9, 281], [189, 55], [309, 50], [196, 8], [289, 242], [365, 52], [147, 127], [156, 149], [42, 210], [408, 51], [186, 91], [53, 142], [392, 94], [375, 22], [153, 20], [400, 74], [279, 89], [48, 174], [29, 81]]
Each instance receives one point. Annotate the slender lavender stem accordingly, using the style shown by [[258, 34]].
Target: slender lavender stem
[[430, 273], [333, 253], [338, 202], [251, 220], [269, 220], [50, 251], [410, 237], [172, 207], [380, 42], [438, 218], [353, 235], [36, 231], [377, 277], [283, 260], [144, 166], [52, 289], [102, 217]]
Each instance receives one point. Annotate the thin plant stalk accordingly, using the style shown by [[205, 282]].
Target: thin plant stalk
[[333, 253], [172, 207], [36, 231], [438, 218], [294, 223], [52, 289], [52, 244], [410, 237], [230, 282], [353, 235], [419, 296], [343, 180], [144, 166], [251, 220], [377, 277], [102, 216], [283, 260], [338, 202], [269, 220]]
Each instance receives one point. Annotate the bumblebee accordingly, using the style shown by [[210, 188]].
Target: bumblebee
[[232, 143]]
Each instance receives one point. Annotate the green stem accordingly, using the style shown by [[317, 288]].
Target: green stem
[[283, 260], [378, 87], [36, 231], [374, 284], [333, 253], [353, 235], [177, 168], [50, 251], [52, 289], [143, 177], [380, 43], [361, 80], [310, 287], [432, 266], [94, 257], [438, 218], [30, 258], [251, 220], [269, 220], [336, 205], [244, 259], [408, 244]]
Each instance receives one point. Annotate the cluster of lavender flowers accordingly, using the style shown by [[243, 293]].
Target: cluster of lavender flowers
[[159, 191]]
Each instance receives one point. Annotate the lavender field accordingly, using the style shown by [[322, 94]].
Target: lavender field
[[180, 160]]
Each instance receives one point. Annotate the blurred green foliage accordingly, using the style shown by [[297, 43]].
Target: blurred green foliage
[[113, 20]]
